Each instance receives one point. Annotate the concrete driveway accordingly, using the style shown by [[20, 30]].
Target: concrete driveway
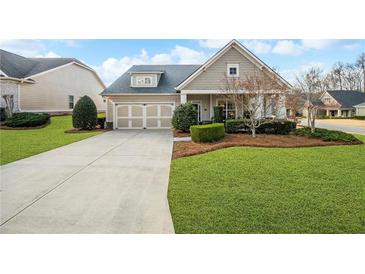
[[115, 182], [346, 125]]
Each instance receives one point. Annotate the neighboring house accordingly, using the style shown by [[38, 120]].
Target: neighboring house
[[360, 109], [47, 84], [339, 103], [146, 95]]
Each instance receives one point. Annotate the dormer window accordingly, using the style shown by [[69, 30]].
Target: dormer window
[[144, 80], [233, 70]]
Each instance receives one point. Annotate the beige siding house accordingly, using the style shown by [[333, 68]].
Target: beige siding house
[[146, 95], [48, 84]]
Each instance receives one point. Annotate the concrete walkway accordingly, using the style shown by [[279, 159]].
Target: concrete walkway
[[350, 126], [115, 182]]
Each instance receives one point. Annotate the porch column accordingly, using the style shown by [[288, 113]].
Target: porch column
[[339, 113], [183, 98], [327, 112], [211, 114], [281, 110]]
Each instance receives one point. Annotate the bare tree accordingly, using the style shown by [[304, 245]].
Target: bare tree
[[253, 96], [351, 77], [360, 63], [311, 85], [338, 74], [9, 104]]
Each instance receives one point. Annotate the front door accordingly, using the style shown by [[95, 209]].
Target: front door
[[198, 107]]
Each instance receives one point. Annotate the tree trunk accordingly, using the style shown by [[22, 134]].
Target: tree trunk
[[253, 130]]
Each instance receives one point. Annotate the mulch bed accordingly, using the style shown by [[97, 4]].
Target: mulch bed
[[78, 130], [179, 133], [183, 149]]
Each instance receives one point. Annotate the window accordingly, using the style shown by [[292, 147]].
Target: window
[[144, 80], [70, 101], [229, 109], [232, 70]]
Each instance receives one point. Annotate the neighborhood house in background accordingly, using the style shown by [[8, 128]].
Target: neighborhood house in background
[[47, 84], [146, 95]]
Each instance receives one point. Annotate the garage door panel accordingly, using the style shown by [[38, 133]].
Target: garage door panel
[[166, 111], [122, 111], [152, 110], [137, 111], [137, 122], [151, 122], [122, 123], [165, 122]]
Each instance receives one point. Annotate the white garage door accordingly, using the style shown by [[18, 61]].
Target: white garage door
[[144, 115]]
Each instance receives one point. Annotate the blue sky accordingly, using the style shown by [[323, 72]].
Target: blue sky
[[110, 58]]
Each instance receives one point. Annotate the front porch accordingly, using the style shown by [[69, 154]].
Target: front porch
[[206, 102], [337, 112]]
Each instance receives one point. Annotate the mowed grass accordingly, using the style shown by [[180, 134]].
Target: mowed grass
[[270, 190], [19, 144]]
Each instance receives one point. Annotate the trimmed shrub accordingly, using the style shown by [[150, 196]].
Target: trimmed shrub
[[28, 119], [281, 127], [84, 115], [101, 122], [235, 126], [327, 135], [218, 114], [358, 117], [2, 114], [185, 116], [207, 133]]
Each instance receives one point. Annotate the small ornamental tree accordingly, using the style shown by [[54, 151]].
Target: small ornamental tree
[[84, 115], [185, 115]]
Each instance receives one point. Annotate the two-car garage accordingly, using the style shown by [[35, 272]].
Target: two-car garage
[[149, 115]]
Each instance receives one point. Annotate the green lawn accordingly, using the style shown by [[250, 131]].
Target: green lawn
[[275, 190], [19, 144]]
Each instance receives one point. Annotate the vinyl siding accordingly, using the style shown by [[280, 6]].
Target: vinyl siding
[[138, 99], [213, 77], [51, 90]]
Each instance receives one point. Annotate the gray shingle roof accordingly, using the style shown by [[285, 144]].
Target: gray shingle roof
[[347, 98], [172, 76], [17, 66]]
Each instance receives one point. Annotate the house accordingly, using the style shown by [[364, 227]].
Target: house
[[146, 95], [339, 103], [47, 84], [360, 109]]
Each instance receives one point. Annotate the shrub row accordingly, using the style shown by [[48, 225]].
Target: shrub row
[[359, 117], [207, 133], [28, 119], [282, 127], [326, 134], [2, 114]]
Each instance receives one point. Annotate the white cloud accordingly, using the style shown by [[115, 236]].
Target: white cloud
[[213, 43], [351, 46], [49, 54], [186, 55], [257, 46], [287, 47], [27, 48], [318, 43], [112, 67]]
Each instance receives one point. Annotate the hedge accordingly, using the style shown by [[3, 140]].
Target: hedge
[[207, 133], [2, 114], [101, 122], [280, 127], [28, 119], [327, 135]]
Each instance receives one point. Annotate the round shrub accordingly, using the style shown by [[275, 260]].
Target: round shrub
[[207, 133], [184, 117], [84, 115], [28, 119]]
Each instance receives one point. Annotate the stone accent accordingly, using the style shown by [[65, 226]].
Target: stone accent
[[9, 88]]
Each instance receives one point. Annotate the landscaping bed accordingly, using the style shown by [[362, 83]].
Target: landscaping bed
[[183, 149]]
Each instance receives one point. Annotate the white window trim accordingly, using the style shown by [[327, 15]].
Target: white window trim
[[139, 77], [227, 100], [236, 66], [69, 101]]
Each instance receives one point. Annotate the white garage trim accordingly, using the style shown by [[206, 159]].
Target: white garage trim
[[144, 105]]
